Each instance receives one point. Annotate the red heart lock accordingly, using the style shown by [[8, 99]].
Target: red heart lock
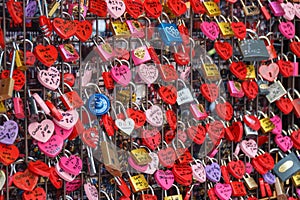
[[2, 39], [209, 91], [177, 7], [18, 76], [55, 179], [224, 111], [224, 49], [109, 124], [198, 7], [239, 30], [138, 116], [39, 168], [228, 134], [237, 169], [168, 73], [37, 194], [182, 58], [122, 53], [285, 105], [151, 138], [168, 94], [69, 79], [295, 48], [167, 157], [30, 58], [183, 174], [286, 68], [15, 10], [250, 89], [295, 136], [64, 28], [84, 30], [266, 160], [8, 154], [215, 130], [237, 130], [134, 8], [184, 156], [252, 122], [196, 133], [153, 8], [169, 136], [171, 119], [25, 180], [98, 7], [239, 69], [46, 54], [90, 137], [258, 167]]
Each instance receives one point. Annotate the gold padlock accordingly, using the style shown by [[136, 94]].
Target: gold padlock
[[138, 183], [2, 107], [250, 72], [140, 156], [7, 84], [173, 197], [120, 29], [212, 8], [250, 182], [225, 27], [210, 70], [296, 179], [124, 95], [266, 125], [250, 10]]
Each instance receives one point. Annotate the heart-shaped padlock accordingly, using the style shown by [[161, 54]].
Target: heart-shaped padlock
[[8, 154], [168, 94], [8, 131], [41, 131], [153, 8], [224, 49], [164, 179], [209, 91], [49, 78]]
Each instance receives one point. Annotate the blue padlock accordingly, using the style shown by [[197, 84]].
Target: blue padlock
[[98, 104], [169, 32]]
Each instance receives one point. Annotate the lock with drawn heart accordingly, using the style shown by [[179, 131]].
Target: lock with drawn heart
[[140, 54], [235, 89], [198, 110]]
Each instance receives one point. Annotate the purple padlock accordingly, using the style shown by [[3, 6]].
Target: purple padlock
[[213, 172], [30, 10], [269, 178], [8, 131]]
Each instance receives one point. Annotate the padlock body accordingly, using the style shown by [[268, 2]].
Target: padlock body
[[18, 108], [169, 33], [68, 52], [140, 55], [198, 111], [105, 51], [110, 158], [71, 100], [135, 28], [6, 88], [235, 89], [296, 105], [108, 80], [276, 8]]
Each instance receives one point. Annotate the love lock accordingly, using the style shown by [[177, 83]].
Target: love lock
[[178, 196], [8, 131], [295, 102], [127, 125], [98, 103], [184, 95]]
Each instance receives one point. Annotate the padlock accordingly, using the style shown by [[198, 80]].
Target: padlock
[[264, 11], [127, 95], [235, 89], [253, 49], [198, 110], [184, 32], [276, 91], [189, 193], [296, 179], [7, 84], [140, 54], [140, 156], [276, 8], [266, 124], [270, 48], [169, 32], [86, 74], [68, 52], [46, 54], [286, 67], [107, 78], [280, 195], [167, 71], [92, 192], [211, 192], [263, 86], [120, 28], [15, 9], [225, 27], [74, 9], [53, 7], [68, 76], [250, 10], [295, 102], [98, 103], [181, 57], [250, 182], [238, 188], [31, 105], [18, 106], [64, 27], [212, 8], [2, 107], [136, 28], [238, 28], [44, 21], [295, 63], [41, 103], [125, 126], [251, 73], [138, 183], [71, 99], [209, 69], [184, 95], [173, 197], [123, 187], [294, 46], [54, 111], [19, 57], [289, 10], [104, 49]]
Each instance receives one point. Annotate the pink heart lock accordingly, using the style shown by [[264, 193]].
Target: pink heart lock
[[199, 172], [69, 120], [164, 178], [62, 132], [297, 9], [73, 185], [249, 147], [139, 168], [91, 191], [285, 143], [287, 29], [153, 165], [115, 8], [121, 74], [64, 175], [9, 132], [71, 165], [269, 72], [52, 147], [154, 116], [289, 11], [49, 78], [210, 30], [148, 73], [278, 124], [223, 191], [41, 131]]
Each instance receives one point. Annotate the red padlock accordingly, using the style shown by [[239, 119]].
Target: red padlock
[[54, 111], [18, 107], [108, 80], [295, 102]]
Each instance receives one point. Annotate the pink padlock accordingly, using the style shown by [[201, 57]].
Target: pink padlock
[[276, 8], [235, 89], [136, 28], [68, 52], [198, 110], [140, 55], [18, 107], [121, 73], [104, 49], [41, 103], [74, 7], [295, 64]]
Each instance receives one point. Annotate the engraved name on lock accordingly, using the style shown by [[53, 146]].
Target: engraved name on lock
[[211, 71]]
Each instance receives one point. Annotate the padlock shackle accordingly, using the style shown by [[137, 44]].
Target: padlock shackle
[[265, 38], [123, 40], [180, 80], [282, 55], [27, 41], [147, 103], [294, 91], [5, 116], [12, 64], [123, 108], [173, 143], [164, 15], [177, 189], [261, 114], [145, 17], [253, 32], [68, 65], [166, 59], [206, 56], [88, 115], [135, 104], [105, 194], [181, 123], [288, 53]]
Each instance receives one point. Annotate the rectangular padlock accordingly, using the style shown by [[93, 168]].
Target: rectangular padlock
[[68, 52], [296, 103], [212, 8], [141, 156], [138, 183], [18, 107], [104, 50], [235, 89], [198, 111], [7, 84], [296, 179], [287, 166], [276, 91], [250, 10], [169, 32], [120, 29], [136, 28]]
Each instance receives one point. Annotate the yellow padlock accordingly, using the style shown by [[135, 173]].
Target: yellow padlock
[[120, 29], [210, 70], [138, 183], [250, 72], [2, 107], [296, 179], [173, 197], [140, 156], [266, 125], [225, 27], [212, 8]]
